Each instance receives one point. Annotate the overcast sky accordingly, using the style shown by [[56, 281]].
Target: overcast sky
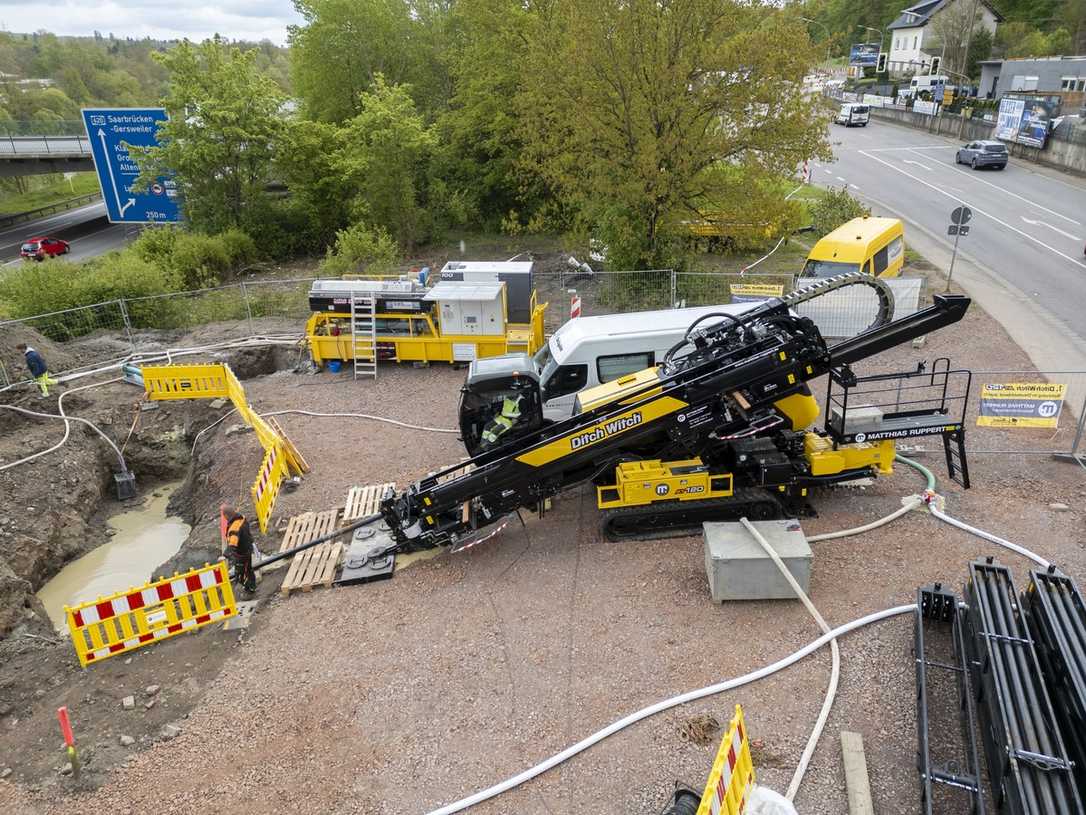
[[161, 19]]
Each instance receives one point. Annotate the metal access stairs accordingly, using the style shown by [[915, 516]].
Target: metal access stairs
[[364, 336]]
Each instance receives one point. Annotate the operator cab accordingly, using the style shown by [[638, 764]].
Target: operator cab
[[500, 401]]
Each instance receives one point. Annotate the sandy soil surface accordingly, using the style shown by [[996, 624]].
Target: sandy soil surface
[[465, 669]]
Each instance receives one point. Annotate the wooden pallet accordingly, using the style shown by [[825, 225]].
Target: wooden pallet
[[315, 566], [363, 501]]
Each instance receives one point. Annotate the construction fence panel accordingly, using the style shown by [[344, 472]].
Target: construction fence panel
[[273, 471], [188, 309], [603, 292], [163, 382], [1018, 412], [106, 321], [732, 776], [156, 611], [722, 288], [277, 304]]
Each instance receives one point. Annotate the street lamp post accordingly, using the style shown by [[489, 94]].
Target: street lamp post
[[827, 30]]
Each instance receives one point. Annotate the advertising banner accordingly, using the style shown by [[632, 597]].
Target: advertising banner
[[1023, 120], [864, 55], [1021, 404], [927, 108], [755, 292]]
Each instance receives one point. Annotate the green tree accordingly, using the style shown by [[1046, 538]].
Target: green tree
[[341, 49], [980, 49], [361, 249], [385, 152], [630, 105], [833, 209], [221, 137]]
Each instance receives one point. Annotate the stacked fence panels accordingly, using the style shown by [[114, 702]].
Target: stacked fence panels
[[1057, 621], [1028, 766]]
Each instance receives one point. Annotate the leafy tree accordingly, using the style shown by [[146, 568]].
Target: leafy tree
[[341, 49], [306, 161], [833, 209], [980, 49], [950, 30], [220, 139], [630, 105], [384, 154]]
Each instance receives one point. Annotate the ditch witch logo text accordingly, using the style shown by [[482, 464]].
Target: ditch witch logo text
[[604, 430]]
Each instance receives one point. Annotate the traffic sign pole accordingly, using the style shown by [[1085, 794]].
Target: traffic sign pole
[[958, 220]]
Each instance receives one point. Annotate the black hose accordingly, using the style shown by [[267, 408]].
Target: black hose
[[353, 525], [686, 337]]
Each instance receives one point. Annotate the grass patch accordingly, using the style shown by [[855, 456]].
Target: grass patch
[[53, 192]]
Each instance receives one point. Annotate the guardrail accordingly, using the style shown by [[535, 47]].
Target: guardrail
[[31, 214]]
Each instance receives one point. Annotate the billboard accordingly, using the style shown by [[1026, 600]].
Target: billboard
[[864, 54], [1023, 119]]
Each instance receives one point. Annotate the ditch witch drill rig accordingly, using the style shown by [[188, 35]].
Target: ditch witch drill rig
[[717, 431]]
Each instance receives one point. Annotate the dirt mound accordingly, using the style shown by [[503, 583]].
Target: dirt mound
[[56, 355]]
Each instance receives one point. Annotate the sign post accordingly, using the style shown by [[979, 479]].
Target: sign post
[[958, 228], [111, 132]]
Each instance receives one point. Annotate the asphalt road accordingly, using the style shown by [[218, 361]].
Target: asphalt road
[[85, 228], [1028, 226]]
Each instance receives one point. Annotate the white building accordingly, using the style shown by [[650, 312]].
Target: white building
[[912, 29]]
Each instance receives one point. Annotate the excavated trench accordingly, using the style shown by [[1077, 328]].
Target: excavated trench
[[64, 536]]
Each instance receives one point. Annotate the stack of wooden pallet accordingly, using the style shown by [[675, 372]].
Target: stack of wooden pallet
[[363, 501]]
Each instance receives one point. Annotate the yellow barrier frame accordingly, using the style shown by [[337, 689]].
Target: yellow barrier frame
[[732, 776], [158, 610]]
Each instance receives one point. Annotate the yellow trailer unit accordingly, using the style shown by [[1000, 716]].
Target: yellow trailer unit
[[454, 321]]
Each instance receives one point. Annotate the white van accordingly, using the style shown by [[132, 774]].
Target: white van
[[852, 113], [589, 351]]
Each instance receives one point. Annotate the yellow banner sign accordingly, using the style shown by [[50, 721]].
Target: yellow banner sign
[[758, 289], [1021, 404]]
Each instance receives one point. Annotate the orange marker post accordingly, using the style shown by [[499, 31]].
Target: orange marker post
[[69, 739]]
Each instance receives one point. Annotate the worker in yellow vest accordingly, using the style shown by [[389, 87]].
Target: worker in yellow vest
[[503, 422]]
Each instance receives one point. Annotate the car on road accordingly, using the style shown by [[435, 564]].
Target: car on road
[[44, 247], [984, 153], [851, 114]]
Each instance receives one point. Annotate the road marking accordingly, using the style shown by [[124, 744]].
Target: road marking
[[917, 163], [891, 149], [854, 186], [976, 209], [841, 179], [973, 175], [11, 262], [1053, 228]]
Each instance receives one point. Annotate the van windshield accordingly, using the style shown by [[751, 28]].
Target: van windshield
[[828, 268], [543, 358]]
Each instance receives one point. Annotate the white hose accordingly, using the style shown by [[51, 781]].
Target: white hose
[[911, 503], [980, 533], [835, 667], [363, 416], [667, 704], [67, 426]]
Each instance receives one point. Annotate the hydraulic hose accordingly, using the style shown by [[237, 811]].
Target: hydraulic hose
[[67, 426], [667, 704], [835, 666], [980, 533], [910, 504], [364, 416]]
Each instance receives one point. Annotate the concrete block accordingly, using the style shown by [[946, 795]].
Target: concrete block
[[738, 567]]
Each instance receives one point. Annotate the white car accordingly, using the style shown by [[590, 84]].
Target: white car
[[853, 114]]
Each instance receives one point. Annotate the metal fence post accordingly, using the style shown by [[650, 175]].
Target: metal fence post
[[127, 324], [674, 290], [248, 309], [1080, 430]]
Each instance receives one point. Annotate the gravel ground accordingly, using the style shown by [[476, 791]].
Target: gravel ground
[[407, 694]]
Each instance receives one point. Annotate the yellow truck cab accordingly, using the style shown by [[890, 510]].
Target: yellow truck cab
[[869, 244]]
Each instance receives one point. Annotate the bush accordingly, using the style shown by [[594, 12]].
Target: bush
[[361, 249], [191, 260], [833, 209]]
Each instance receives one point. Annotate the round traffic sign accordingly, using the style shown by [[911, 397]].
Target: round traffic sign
[[961, 215], [156, 189]]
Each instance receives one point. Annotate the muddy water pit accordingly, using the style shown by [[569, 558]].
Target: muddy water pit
[[144, 537]]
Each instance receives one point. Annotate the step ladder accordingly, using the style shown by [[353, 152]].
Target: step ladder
[[364, 336], [956, 464]]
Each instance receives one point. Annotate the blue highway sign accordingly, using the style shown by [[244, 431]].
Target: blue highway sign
[[110, 131]]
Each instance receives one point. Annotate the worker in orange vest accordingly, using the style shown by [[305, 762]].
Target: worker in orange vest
[[239, 547]]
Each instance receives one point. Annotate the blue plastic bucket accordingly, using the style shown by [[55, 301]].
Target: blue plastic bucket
[[334, 366]]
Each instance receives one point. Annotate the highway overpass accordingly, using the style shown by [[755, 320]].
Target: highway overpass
[[34, 154]]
